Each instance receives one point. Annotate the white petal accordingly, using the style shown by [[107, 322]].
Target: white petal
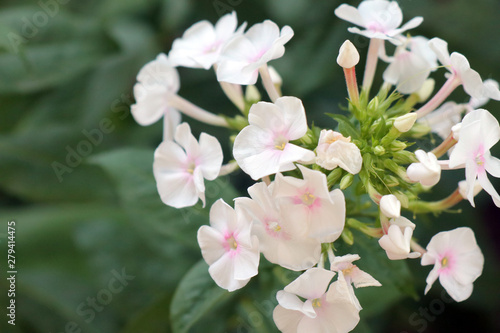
[[210, 156], [246, 262], [292, 302], [311, 284], [222, 272], [459, 292], [223, 217], [286, 320], [349, 14], [171, 120], [294, 116], [211, 244], [440, 47], [151, 104]]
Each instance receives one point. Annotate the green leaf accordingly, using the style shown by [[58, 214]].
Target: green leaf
[[196, 296], [132, 172], [151, 319], [345, 126]]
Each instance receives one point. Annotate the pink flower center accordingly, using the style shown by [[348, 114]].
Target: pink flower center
[[479, 158], [307, 198], [274, 229], [447, 262], [231, 244]]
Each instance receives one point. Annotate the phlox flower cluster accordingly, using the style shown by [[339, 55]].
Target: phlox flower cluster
[[297, 210]]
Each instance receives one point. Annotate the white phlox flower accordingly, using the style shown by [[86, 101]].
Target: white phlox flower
[[282, 241], [462, 188], [201, 44], [427, 171], [492, 89], [380, 18], [353, 275], [411, 65], [444, 118], [323, 311], [309, 202], [155, 81], [243, 55], [180, 167], [460, 70], [478, 133], [396, 242], [228, 247], [335, 150], [458, 262], [263, 148], [390, 206]]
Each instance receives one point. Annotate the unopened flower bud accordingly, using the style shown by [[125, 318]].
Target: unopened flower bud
[[275, 77], [405, 123], [397, 145], [348, 55], [346, 181], [390, 206], [426, 90], [379, 150], [455, 130], [252, 94]]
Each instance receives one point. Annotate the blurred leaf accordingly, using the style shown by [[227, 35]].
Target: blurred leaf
[[345, 126], [39, 171], [174, 12], [131, 170], [196, 296], [152, 319]]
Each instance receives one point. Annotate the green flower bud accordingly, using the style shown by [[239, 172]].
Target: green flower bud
[[334, 176], [347, 236], [346, 181], [379, 150]]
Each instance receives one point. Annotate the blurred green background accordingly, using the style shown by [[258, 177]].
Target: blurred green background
[[97, 251]]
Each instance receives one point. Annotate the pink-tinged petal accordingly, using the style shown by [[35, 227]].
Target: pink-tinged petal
[[186, 139], [467, 267], [471, 174], [362, 279], [223, 217], [327, 223], [294, 116], [440, 48], [340, 311], [222, 272], [352, 299], [171, 120], [413, 23], [286, 320], [350, 14], [311, 284], [459, 292], [492, 165], [246, 262], [210, 156], [296, 254], [292, 302], [347, 155], [431, 278], [226, 26], [473, 84], [175, 185], [151, 104], [428, 259], [159, 72], [293, 153], [255, 166], [381, 15], [211, 244], [237, 72], [263, 35], [190, 50], [489, 132], [373, 35], [317, 181], [267, 116], [488, 187]]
